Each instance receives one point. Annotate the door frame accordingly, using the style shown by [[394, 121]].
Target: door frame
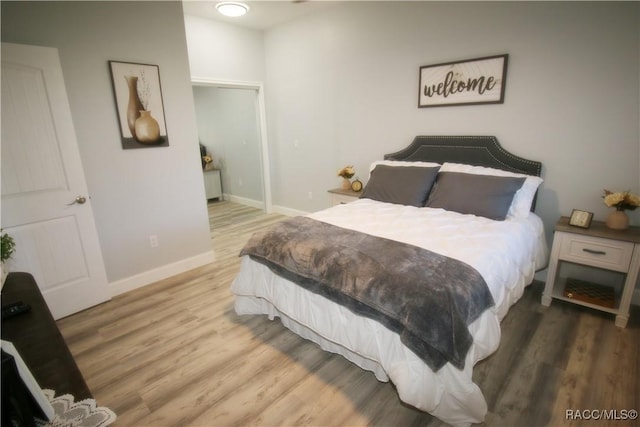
[[264, 142]]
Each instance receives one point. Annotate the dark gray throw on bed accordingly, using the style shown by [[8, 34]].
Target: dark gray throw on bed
[[425, 297]]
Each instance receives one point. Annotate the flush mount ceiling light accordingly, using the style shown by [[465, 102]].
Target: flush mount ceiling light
[[232, 8]]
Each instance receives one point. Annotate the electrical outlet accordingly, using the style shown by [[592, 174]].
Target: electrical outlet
[[153, 241], [240, 183], [310, 195]]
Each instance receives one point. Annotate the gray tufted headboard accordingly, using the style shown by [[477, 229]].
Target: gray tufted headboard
[[472, 150]]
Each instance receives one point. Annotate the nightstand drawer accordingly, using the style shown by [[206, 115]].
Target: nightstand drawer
[[340, 196], [598, 252], [338, 199]]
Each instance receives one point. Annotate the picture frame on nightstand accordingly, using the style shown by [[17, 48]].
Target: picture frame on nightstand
[[580, 218]]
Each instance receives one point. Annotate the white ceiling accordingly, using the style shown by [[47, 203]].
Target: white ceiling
[[262, 14]]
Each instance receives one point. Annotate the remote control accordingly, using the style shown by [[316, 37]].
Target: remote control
[[14, 309]]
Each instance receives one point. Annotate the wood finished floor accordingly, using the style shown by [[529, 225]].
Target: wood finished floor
[[174, 353]]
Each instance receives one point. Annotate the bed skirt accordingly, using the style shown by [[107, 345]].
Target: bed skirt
[[448, 394]]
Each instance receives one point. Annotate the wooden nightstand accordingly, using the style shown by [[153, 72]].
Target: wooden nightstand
[[340, 196], [580, 257]]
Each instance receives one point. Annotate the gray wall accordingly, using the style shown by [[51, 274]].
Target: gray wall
[[341, 88], [135, 193], [228, 127], [344, 82], [224, 52]]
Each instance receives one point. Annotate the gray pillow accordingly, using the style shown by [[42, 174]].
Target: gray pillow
[[482, 195], [403, 185]]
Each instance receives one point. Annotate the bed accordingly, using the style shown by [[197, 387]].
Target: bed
[[461, 205]]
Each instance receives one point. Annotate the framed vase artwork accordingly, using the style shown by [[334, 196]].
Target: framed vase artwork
[[139, 105]]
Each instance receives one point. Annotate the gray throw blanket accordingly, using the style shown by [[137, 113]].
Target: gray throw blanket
[[427, 298]]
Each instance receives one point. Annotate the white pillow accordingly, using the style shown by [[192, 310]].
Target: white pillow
[[401, 163], [521, 204]]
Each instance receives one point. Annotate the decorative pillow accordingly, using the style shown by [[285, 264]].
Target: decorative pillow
[[481, 195], [401, 185], [523, 199], [402, 163]]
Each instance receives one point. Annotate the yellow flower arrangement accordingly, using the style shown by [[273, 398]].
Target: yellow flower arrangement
[[346, 172], [622, 200]]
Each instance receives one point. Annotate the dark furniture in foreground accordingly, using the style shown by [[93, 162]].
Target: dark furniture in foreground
[[38, 340]]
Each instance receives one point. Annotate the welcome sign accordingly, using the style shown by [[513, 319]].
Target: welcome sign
[[474, 81]]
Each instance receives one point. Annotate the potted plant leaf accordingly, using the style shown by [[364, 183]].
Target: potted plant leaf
[[8, 247]]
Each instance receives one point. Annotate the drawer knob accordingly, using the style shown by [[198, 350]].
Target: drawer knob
[[594, 252]]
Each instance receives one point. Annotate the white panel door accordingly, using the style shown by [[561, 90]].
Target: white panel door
[[45, 205]]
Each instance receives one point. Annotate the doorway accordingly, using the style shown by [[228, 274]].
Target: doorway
[[232, 127]]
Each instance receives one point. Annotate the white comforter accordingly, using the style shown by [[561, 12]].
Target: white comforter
[[506, 253]]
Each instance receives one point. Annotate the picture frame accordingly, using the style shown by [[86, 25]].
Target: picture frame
[[139, 105], [580, 218], [468, 82]]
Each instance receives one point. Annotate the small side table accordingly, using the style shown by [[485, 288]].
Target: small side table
[[340, 196], [212, 184], [596, 247]]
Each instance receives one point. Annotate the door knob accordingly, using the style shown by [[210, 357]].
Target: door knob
[[79, 200]]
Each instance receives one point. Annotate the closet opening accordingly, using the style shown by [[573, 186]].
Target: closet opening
[[233, 141]]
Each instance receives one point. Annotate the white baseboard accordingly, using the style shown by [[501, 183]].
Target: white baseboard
[[258, 204], [283, 210], [151, 276], [288, 211]]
